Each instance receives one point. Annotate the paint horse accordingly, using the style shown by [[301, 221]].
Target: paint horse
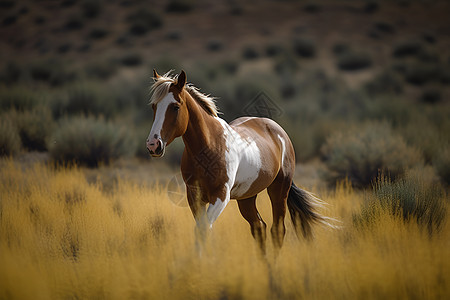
[[224, 161]]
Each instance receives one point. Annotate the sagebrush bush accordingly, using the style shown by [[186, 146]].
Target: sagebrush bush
[[101, 69], [89, 141], [214, 45], [144, 20], [273, 49], [441, 163], [384, 83], [285, 64], [18, 98], [52, 71], [431, 96], [407, 48], [98, 33], [91, 8], [82, 98], [304, 48], [34, 127], [360, 153], [420, 73], [249, 53], [131, 59], [354, 61], [426, 136], [11, 72], [179, 6], [9, 137], [411, 198]]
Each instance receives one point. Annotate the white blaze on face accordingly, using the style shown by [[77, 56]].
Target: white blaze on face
[[161, 109]]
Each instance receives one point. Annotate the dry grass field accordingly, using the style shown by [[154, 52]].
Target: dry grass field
[[362, 87], [62, 237]]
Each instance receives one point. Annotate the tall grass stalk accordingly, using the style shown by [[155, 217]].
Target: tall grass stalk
[[61, 237]]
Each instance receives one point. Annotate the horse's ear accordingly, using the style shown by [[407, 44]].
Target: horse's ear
[[181, 80], [155, 75]]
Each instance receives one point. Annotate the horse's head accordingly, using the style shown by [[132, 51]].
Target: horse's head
[[170, 114]]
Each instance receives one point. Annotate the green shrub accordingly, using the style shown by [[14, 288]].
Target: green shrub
[[34, 127], [74, 23], [214, 45], [385, 83], [362, 152], [82, 98], [371, 7], [286, 64], [441, 163], [340, 48], [179, 6], [411, 198], [11, 73], [52, 71], [312, 7], [230, 67], [174, 35], [98, 33], [273, 50], [431, 96], [250, 53], [384, 27], [9, 137], [102, 69], [354, 61], [304, 48], [425, 135], [131, 59], [91, 8], [144, 20], [308, 137], [445, 75], [18, 98], [407, 48], [89, 141], [420, 73]]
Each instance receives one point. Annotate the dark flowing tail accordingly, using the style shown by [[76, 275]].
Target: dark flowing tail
[[302, 207]]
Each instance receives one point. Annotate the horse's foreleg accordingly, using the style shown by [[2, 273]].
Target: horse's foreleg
[[198, 209]]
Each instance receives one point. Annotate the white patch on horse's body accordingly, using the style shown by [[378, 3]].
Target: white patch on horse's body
[[214, 210], [243, 161], [160, 115], [283, 149]]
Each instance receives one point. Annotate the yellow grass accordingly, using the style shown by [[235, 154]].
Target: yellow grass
[[63, 238]]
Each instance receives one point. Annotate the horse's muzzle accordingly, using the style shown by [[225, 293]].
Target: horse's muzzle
[[156, 147]]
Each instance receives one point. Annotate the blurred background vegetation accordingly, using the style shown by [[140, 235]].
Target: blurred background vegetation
[[363, 86]]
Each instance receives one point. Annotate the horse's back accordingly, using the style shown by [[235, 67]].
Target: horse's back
[[263, 130], [275, 148]]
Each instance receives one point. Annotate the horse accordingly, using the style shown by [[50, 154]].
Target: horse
[[224, 161]]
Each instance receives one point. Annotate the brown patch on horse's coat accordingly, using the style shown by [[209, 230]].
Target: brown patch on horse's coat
[[265, 133], [203, 161]]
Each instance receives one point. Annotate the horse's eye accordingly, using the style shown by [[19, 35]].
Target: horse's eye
[[176, 108]]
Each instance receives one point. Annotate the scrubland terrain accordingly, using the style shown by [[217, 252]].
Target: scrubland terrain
[[62, 237], [361, 87]]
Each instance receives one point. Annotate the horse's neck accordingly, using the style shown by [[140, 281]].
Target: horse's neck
[[202, 130]]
